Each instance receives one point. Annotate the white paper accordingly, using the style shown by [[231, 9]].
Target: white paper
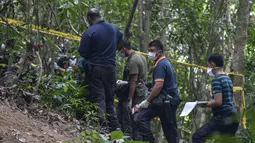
[[189, 106]]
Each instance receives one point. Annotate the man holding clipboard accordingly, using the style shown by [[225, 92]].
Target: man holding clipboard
[[224, 118]]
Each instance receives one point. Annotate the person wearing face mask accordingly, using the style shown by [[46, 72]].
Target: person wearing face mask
[[224, 120], [98, 46], [135, 72], [163, 99]]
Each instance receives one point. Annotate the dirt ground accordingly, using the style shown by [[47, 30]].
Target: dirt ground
[[16, 127], [21, 122]]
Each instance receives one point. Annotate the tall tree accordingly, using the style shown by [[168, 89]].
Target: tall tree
[[238, 61], [144, 10]]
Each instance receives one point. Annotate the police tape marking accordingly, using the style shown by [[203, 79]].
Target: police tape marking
[[74, 37], [42, 30]]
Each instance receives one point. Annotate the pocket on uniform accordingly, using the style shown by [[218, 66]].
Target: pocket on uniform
[[175, 102], [141, 90]]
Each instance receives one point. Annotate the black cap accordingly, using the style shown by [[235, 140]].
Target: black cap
[[126, 44]]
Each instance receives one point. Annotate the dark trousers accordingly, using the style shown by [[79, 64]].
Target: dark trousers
[[101, 81], [224, 125], [124, 117], [169, 127], [128, 121]]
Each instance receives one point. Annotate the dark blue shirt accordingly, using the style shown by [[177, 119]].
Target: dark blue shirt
[[99, 42], [164, 71], [223, 84]]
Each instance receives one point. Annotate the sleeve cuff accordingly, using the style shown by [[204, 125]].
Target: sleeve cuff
[[159, 80]]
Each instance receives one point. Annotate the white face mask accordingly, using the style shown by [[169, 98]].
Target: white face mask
[[122, 54], [209, 71], [151, 55]]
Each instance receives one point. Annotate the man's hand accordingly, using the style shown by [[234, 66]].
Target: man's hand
[[144, 104], [129, 105], [56, 67], [217, 100]]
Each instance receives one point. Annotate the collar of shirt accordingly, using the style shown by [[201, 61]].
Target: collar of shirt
[[129, 57], [100, 21], [162, 57]]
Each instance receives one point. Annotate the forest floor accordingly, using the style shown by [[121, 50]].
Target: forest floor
[[20, 122]]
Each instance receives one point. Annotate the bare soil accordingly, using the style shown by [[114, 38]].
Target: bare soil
[[28, 124]]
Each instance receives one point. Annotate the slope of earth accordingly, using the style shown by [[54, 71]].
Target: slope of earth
[[23, 123], [16, 127]]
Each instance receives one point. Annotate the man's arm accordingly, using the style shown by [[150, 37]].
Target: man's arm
[[155, 90], [217, 100], [217, 93], [132, 85], [159, 75], [84, 45], [133, 77]]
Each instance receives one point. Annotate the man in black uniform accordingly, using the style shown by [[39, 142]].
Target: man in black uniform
[[163, 99], [98, 47]]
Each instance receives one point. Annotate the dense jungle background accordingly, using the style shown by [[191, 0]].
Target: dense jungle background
[[39, 104]]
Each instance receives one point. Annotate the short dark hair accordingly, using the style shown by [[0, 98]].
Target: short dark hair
[[126, 44], [93, 14], [218, 59], [157, 44]]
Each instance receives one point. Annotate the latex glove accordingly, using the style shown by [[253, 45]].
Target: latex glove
[[121, 82], [69, 69], [129, 105], [144, 104], [56, 67], [72, 62]]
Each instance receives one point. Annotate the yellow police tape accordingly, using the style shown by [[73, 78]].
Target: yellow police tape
[[238, 88], [42, 30], [74, 37], [193, 65]]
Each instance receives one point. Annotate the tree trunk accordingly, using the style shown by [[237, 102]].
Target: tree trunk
[[141, 21], [238, 62], [144, 11], [147, 23], [230, 43]]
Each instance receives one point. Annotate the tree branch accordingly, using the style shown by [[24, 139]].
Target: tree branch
[[12, 27], [73, 29], [127, 33], [5, 6], [166, 25]]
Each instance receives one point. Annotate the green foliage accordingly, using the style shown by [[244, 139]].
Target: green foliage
[[94, 137], [62, 92], [115, 135]]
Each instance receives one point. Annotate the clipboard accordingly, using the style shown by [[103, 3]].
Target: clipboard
[[189, 106]]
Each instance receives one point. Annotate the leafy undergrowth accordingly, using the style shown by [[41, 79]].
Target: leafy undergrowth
[[94, 137], [50, 116]]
